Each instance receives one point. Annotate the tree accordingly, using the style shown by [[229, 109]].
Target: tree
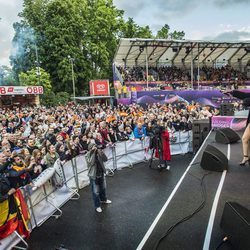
[[164, 33], [130, 29], [62, 98], [85, 30], [177, 35], [6, 76], [31, 78]]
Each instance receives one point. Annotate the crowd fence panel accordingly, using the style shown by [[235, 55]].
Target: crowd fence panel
[[45, 201]]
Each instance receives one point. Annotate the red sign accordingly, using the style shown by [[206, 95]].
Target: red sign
[[21, 90], [99, 87]]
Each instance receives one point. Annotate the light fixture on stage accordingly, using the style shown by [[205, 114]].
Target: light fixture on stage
[[175, 49], [141, 48], [187, 50]]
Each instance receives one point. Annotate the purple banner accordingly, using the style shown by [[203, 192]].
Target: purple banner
[[124, 101], [205, 97], [235, 123]]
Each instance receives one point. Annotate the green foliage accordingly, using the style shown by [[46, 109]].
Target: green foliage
[[130, 29], [33, 78], [177, 35], [164, 33], [86, 30], [6, 76], [48, 99], [62, 98], [52, 99]]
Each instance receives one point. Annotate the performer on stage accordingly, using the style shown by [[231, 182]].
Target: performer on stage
[[245, 96]]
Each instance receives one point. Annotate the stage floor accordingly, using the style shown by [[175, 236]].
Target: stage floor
[[146, 203]]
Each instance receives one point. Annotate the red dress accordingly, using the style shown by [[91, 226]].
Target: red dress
[[166, 155]]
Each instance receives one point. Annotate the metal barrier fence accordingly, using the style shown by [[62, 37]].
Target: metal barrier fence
[[45, 201]]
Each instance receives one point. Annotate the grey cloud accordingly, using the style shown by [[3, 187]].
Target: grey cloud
[[161, 9], [227, 3], [231, 36], [169, 9]]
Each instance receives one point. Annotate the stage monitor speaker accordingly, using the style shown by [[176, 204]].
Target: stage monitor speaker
[[226, 136], [213, 159], [235, 222]]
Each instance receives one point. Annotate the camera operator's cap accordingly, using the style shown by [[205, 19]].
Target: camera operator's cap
[[91, 145]]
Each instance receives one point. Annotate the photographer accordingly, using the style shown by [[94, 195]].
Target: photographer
[[96, 171], [160, 143]]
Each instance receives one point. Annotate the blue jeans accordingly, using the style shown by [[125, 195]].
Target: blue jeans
[[98, 188]]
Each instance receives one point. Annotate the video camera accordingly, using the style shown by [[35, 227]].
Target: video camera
[[155, 138], [157, 130]]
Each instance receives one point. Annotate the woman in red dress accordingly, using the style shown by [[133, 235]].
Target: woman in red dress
[[163, 150]]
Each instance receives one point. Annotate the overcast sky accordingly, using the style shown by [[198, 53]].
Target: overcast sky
[[199, 19]]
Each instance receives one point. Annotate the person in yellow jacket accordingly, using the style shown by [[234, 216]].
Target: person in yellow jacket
[[124, 90]]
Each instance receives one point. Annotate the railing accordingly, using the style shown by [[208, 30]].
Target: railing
[[45, 201]]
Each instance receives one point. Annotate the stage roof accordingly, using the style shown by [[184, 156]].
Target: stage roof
[[135, 51]]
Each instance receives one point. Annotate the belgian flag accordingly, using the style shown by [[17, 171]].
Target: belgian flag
[[14, 215]]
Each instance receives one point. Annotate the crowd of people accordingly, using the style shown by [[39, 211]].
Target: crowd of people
[[173, 73], [33, 138]]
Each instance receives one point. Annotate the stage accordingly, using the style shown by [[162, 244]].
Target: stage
[[200, 232], [146, 203]]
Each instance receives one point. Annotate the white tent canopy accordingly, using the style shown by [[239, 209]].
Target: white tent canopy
[[156, 52]]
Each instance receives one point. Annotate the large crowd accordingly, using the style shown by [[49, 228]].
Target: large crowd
[[33, 138], [172, 73]]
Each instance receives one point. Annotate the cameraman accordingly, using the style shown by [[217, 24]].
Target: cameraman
[[96, 171], [161, 146]]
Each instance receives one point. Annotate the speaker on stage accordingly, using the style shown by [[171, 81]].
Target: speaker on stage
[[227, 109], [235, 222], [213, 159], [200, 129], [226, 136]]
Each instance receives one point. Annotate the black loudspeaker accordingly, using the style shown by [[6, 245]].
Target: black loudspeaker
[[227, 109], [235, 222], [226, 136], [213, 159], [200, 129]]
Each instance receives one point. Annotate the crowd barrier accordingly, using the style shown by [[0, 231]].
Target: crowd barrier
[[45, 200]]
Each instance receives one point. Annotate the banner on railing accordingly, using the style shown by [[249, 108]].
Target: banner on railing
[[235, 123]]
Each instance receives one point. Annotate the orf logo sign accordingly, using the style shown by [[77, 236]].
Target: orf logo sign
[[99, 87]]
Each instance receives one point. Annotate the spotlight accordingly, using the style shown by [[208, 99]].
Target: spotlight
[[141, 48], [175, 49]]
